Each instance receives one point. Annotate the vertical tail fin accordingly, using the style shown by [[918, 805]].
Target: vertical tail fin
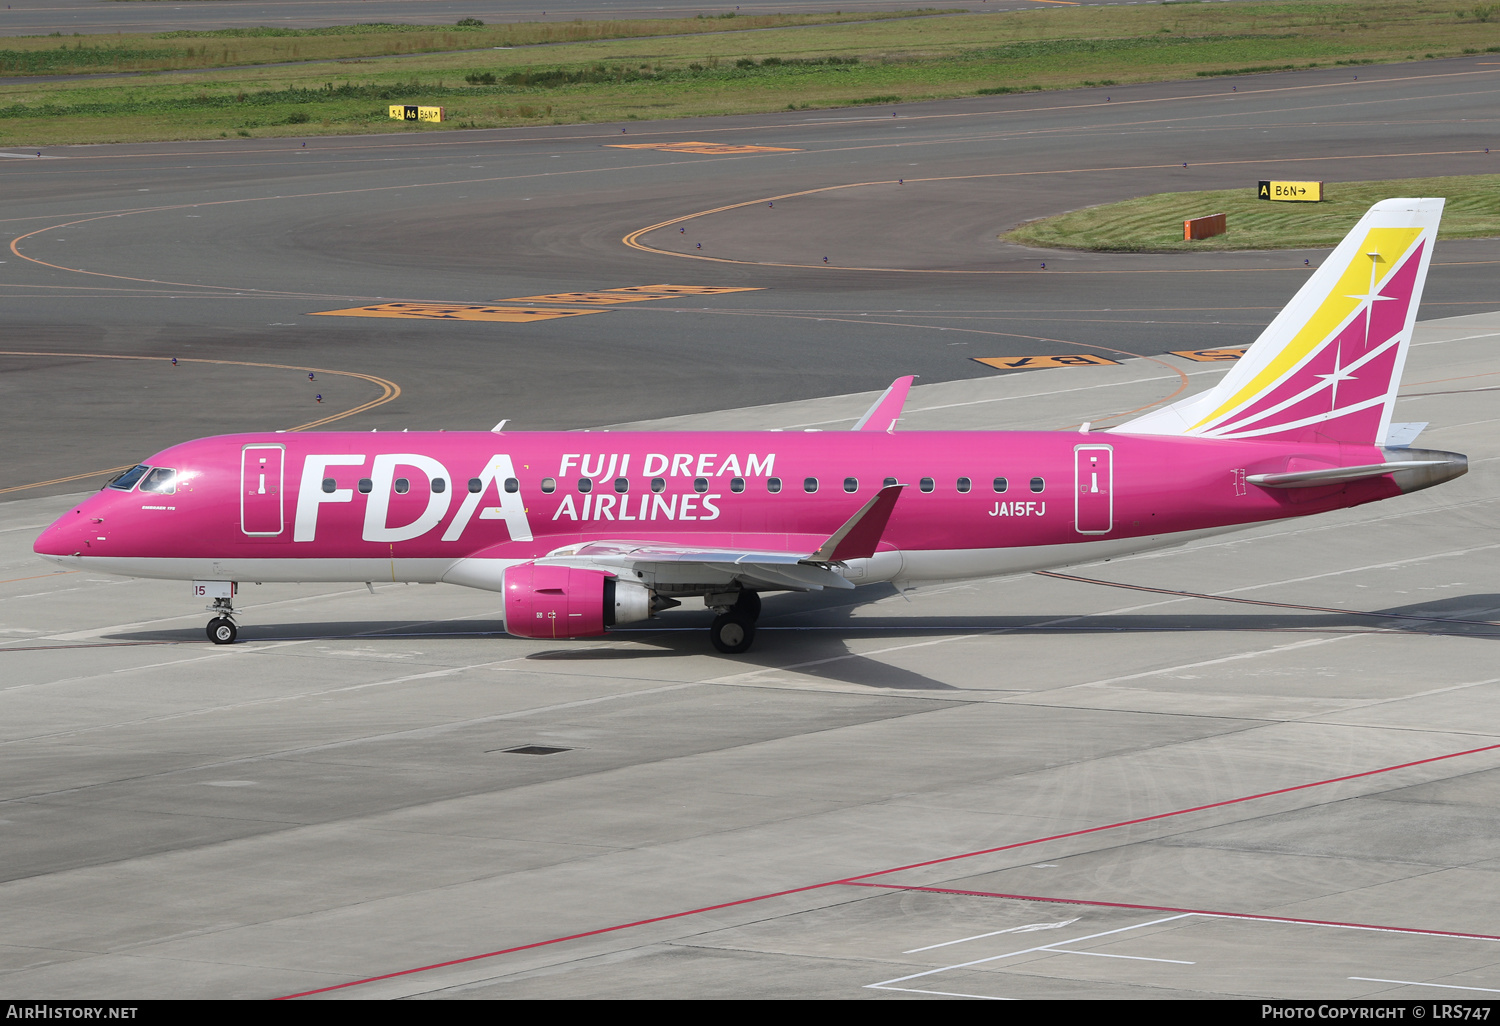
[[1328, 367]]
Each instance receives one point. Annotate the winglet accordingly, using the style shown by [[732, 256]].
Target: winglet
[[861, 533], [887, 409]]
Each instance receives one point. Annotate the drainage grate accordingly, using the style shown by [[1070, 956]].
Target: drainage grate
[[533, 750]]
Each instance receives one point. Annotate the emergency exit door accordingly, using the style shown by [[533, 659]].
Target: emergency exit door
[[261, 488], [1093, 489]]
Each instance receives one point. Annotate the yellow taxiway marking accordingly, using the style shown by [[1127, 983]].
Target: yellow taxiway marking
[[1208, 355], [665, 291], [632, 294], [1034, 362], [703, 147], [453, 312], [389, 390], [586, 298]]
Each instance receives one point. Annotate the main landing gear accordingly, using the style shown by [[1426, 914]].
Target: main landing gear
[[733, 629], [221, 629]]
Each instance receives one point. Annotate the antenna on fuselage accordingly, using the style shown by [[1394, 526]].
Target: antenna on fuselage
[[500, 426]]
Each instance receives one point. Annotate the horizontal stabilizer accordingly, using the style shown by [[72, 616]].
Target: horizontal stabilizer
[[1400, 436], [1333, 475], [887, 409]]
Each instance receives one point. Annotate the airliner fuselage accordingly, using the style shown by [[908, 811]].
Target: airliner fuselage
[[584, 531]]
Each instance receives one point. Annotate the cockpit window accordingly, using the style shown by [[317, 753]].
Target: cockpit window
[[161, 480], [127, 480]]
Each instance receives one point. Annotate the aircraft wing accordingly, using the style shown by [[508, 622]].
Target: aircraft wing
[[797, 562], [756, 568]]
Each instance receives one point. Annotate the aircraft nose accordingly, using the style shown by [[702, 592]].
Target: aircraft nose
[[68, 535]]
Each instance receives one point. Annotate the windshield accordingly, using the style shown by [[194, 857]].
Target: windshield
[[127, 480], [161, 480]]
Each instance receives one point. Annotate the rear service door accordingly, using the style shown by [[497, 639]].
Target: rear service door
[[261, 481], [1093, 489]]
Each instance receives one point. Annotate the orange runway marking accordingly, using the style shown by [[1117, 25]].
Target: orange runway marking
[[667, 291], [389, 391], [629, 239], [631, 294], [584, 298], [1208, 355], [65, 480], [633, 240], [453, 312], [1440, 381], [702, 147], [1182, 379], [1038, 362], [437, 141], [38, 577]]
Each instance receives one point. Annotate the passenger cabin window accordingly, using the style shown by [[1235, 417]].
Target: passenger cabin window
[[160, 480], [773, 484], [851, 484], [964, 484], [402, 486], [926, 484], [622, 484], [736, 484], [1001, 484], [366, 486], [475, 485], [810, 485], [658, 485], [330, 485], [585, 485], [888, 482], [127, 480], [549, 485], [439, 485], [1037, 484], [512, 486], [700, 484]]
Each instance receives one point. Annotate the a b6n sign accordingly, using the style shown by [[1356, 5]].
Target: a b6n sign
[[1292, 192], [411, 112]]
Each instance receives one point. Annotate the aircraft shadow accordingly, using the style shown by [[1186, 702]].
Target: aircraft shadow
[[815, 630]]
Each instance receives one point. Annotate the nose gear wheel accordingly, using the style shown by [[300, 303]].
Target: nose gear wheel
[[222, 631]]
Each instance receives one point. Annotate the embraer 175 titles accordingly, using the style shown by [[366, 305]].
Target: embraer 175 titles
[[580, 541]]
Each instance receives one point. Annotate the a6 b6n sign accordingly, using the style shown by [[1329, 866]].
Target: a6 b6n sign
[[1291, 192], [411, 112]]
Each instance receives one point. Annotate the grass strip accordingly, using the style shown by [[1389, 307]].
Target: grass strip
[[1153, 224], [236, 47], [799, 67]]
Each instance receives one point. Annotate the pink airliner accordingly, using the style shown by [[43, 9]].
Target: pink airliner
[[585, 531]]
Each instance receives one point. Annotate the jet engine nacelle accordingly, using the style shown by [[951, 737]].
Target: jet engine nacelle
[[565, 602]]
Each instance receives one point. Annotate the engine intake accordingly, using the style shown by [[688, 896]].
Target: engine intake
[[544, 601]]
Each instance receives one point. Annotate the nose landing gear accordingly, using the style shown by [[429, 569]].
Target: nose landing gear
[[221, 629]]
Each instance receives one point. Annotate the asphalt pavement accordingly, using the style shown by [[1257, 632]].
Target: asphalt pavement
[[243, 252], [1259, 766]]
